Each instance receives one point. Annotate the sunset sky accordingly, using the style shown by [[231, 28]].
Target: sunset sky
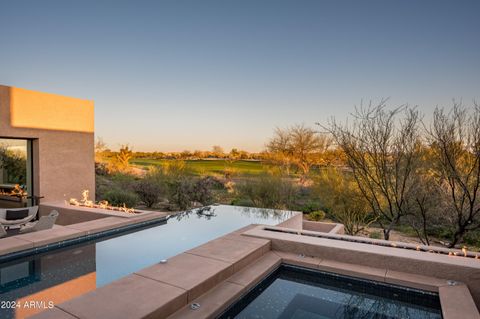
[[175, 75]]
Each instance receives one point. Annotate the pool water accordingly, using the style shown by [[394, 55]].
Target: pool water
[[63, 274], [297, 293]]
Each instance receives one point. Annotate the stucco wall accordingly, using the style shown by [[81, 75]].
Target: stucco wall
[[294, 222], [69, 215], [332, 228], [62, 129]]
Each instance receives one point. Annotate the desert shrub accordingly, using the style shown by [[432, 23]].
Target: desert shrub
[[184, 191], [102, 185], [149, 191], [316, 215], [180, 192], [229, 172], [240, 202], [375, 235], [472, 238], [202, 190], [344, 200], [406, 229], [269, 191], [120, 197], [124, 181], [309, 207], [174, 169], [101, 168]]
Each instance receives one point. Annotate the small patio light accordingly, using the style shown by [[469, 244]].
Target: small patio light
[[194, 306]]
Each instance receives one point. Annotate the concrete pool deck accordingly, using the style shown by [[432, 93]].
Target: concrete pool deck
[[219, 272]]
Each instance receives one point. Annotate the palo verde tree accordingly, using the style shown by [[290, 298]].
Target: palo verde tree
[[382, 150], [455, 140], [298, 145]]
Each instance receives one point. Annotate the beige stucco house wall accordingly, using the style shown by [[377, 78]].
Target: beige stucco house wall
[[62, 132]]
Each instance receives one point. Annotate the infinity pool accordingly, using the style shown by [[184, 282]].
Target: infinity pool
[[297, 293], [63, 274]]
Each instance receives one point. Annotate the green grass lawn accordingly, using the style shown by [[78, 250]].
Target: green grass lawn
[[211, 166]]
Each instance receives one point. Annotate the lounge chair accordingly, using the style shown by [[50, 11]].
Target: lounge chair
[[32, 213], [3, 232], [45, 222]]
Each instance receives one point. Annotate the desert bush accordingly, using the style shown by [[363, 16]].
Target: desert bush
[[174, 169], [472, 238], [149, 191], [343, 198], [269, 191], [102, 185], [101, 168], [316, 215], [180, 192], [184, 191], [124, 181], [202, 190], [120, 197], [310, 207], [375, 235], [180, 187]]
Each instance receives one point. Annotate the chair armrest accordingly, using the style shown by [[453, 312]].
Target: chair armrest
[[16, 221]]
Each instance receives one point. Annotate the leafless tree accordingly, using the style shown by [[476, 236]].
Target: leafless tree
[[382, 148], [454, 137], [424, 204], [298, 145]]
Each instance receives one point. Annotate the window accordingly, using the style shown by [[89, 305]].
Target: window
[[15, 172]]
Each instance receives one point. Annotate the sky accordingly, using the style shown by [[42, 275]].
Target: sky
[[177, 75]]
